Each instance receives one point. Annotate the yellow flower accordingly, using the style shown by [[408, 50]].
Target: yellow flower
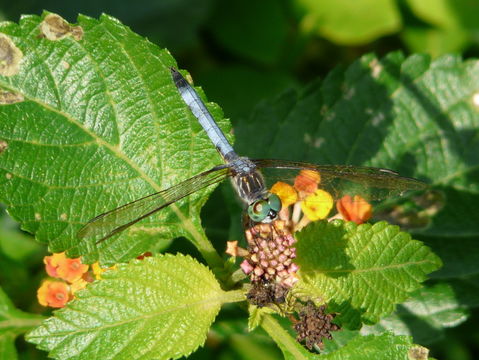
[[317, 205], [78, 285], [97, 270], [285, 192]]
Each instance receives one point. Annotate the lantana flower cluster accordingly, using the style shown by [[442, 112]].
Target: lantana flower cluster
[[305, 202], [269, 258], [67, 276]]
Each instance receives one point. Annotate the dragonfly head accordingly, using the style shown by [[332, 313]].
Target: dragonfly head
[[265, 210]]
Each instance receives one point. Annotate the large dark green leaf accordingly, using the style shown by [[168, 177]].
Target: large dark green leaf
[[256, 30], [393, 112], [427, 314], [101, 124]]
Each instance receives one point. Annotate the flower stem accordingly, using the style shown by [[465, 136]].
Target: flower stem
[[287, 344]]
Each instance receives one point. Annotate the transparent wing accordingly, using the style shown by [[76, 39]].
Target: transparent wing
[[114, 221], [339, 180]]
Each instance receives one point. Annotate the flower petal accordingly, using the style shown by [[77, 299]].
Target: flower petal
[[307, 182], [53, 293], [317, 205], [286, 193], [355, 209]]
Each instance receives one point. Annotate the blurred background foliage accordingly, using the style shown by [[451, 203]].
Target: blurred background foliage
[[263, 48]]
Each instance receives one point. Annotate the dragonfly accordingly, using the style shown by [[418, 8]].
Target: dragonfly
[[247, 177]]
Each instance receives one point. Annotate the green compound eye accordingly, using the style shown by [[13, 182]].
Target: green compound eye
[[274, 202], [258, 210]]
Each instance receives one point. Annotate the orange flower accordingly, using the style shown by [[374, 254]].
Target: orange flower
[[53, 293], [307, 182], [285, 192], [59, 266], [317, 205], [354, 209], [51, 263]]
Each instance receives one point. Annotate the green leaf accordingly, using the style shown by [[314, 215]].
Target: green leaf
[[107, 126], [239, 88], [393, 112], [456, 216], [434, 41], [446, 13], [459, 255], [361, 271], [160, 307], [386, 346], [233, 336], [349, 22], [426, 315], [340, 338], [256, 30], [7, 347], [256, 315], [292, 350], [12, 323], [16, 245]]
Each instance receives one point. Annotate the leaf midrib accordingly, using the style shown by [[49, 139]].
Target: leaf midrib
[[213, 301], [185, 222], [365, 270]]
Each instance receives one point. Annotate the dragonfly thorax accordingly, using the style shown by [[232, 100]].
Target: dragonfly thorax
[[248, 181]]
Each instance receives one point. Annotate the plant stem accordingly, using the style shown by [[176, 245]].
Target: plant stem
[[287, 344], [235, 296], [205, 247]]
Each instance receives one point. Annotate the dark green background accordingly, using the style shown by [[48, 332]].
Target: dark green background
[[241, 53]]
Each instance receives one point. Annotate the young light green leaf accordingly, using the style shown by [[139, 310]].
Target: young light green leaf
[[446, 14], [256, 314], [101, 124], [157, 308], [350, 22], [12, 323], [361, 271]]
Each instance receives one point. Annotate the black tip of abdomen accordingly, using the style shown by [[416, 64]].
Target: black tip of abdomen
[[179, 80]]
